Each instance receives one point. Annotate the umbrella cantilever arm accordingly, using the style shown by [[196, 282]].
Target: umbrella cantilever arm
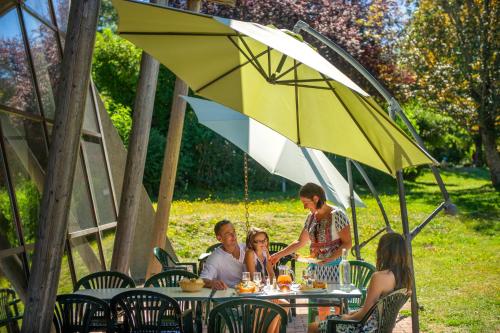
[[395, 108]]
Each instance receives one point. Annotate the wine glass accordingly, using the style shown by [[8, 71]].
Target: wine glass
[[257, 278], [245, 277]]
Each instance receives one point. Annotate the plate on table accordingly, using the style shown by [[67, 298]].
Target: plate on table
[[312, 290], [249, 294], [308, 259]]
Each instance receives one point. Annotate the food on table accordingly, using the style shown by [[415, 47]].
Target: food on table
[[191, 284], [246, 287], [319, 284], [305, 287]]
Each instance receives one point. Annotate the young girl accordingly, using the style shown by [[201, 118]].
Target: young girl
[[393, 272], [257, 254]]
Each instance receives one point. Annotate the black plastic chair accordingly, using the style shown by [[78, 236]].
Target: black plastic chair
[[168, 263], [171, 279], [203, 257], [246, 315], [9, 312], [81, 313], [387, 309], [105, 279], [361, 273], [149, 311], [276, 247]]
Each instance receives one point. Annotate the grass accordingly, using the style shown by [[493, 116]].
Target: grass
[[456, 257]]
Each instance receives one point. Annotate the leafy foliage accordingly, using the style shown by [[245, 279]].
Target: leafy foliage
[[451, 46]]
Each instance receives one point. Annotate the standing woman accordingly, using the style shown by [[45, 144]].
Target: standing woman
[[326, 228]]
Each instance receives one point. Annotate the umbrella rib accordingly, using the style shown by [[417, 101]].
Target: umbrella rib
[[304, 86], [258, 68], [393, 124], [268, 61], [288, 71], [305, 80], [257, 63], [226, 73], [296, 100], [357, 124], [164, 33]]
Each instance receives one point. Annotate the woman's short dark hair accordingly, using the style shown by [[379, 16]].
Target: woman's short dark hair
[[219, 226], [392, 255], [309, 190]]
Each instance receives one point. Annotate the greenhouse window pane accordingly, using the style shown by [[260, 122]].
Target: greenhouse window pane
[[108, 239], [27, 157], [16, 81], [61, 8], [41, 7], [99, 179], [80, 217], [8, 234], [46, 60], [90, 119], [85, 255]]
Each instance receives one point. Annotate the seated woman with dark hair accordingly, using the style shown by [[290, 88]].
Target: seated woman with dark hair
[[393, 272]]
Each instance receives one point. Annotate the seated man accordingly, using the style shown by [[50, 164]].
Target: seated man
[[224, 266]]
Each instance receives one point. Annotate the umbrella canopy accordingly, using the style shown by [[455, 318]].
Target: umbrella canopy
[[273, 77], [273, 151]]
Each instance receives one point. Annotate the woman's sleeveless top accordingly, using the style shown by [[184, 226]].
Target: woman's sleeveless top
[[324, 233], [260, 266]]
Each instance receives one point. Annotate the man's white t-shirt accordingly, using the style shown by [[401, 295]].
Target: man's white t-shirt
[[221, 265]]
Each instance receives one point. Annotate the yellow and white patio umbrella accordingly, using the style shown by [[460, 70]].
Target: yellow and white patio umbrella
[[273, 77]]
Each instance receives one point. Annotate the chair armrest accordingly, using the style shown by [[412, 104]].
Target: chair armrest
[[203, 256], [187, 321], [192, 264]]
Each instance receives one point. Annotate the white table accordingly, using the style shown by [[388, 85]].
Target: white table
[[333, 293], [174, 292]]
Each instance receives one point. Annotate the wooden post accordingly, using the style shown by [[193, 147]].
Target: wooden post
[[54, 209], [169, 171], [134, 167]]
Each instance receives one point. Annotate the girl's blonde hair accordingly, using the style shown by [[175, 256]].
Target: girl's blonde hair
[[251, 236]]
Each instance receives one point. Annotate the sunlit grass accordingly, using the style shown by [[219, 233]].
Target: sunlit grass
[[456, 257]]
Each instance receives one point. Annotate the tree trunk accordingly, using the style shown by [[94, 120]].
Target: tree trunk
[[491, 153], [478, 158], [53, 219], [134, 168]]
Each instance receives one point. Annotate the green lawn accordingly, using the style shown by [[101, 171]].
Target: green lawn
[[456, 257]]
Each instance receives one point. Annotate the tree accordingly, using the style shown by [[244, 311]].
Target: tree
[[452, 47]]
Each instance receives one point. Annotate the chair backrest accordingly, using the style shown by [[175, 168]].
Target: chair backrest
[[148, 311], [75, 313], [245, 316], [276, 247], [212, 247], [169, 278], [388, 308], [105, 279], [361, 273], [163, 257], [6, 298]]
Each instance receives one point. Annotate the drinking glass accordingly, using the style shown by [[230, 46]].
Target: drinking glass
[[245, 277], [257, 278]]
